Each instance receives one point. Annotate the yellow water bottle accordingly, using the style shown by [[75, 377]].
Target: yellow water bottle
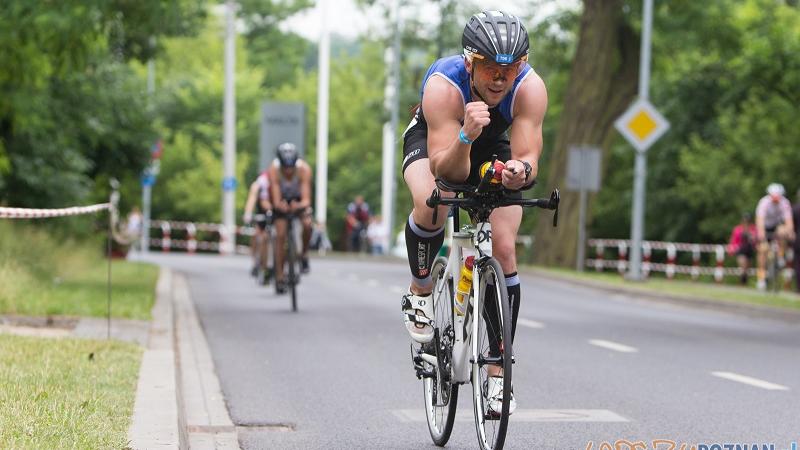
[[464, 286]]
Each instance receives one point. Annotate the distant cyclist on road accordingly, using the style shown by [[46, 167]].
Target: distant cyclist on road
[[468, 103], [773, 221], [290, 192], [258, 200]]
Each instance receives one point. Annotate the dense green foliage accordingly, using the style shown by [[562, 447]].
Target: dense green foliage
[[73, 112], [725, 73]]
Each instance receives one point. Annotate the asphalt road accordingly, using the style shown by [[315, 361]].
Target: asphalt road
[[593, 366]]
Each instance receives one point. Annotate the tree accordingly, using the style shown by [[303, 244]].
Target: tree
[[75, 112], [603, 80]]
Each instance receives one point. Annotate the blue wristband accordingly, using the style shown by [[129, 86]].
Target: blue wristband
[[463, 137]]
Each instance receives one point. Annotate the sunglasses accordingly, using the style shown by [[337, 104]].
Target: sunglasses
[[491, 71]]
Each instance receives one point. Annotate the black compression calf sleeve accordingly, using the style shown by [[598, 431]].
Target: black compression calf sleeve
[[423, 245], [490, 312]]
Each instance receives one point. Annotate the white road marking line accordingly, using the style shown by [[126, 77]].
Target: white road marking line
[[613, 346], [750, 381], [373, 283], [529, 323]]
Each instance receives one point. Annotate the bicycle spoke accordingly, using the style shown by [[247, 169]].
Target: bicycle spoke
[[492, 344], [441, 396]]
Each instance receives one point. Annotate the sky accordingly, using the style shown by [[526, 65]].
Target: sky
[[347, 20]]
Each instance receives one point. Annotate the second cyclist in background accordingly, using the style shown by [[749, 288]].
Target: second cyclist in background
[[773, 222], [258, 201], [290, 192]]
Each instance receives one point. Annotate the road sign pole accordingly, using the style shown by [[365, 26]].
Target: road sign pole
[[229, 129], [640, 168]]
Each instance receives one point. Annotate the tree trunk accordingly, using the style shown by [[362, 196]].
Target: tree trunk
[[603, 82]]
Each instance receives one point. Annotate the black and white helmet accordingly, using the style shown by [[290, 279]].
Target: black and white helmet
[[287, 154], [495, 36]]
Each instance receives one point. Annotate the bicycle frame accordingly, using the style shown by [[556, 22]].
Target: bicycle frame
[[466, 242]]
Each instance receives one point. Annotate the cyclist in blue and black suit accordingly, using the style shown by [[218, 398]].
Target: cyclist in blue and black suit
[[468, 102]]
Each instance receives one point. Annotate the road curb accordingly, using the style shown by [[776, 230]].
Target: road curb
[[154, 424]]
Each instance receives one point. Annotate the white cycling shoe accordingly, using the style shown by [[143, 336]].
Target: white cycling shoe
[[494, 396], [419, 325]]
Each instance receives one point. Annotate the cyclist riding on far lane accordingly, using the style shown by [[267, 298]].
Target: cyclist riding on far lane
[[468, 103], [773, 221], [290, 192], [258, 200]]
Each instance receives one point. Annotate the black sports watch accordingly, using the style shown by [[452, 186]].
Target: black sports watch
[[528, 170]]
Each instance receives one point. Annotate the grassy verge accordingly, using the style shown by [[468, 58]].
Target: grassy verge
[[41, 276], [67, 392], [685, 287]]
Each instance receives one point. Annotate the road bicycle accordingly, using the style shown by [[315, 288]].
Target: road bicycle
[[773, 267], [460, 350], [292, 265]]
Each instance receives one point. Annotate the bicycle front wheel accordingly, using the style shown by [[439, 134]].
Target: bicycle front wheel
[[441, 396], [492, 345], [293, 272]]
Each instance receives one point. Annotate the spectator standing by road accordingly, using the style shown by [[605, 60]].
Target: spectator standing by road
[[377, 234], [133, 227], [743, 244], [358, 216]]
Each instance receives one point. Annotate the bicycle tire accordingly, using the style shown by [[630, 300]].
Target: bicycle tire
[[491, 428], [293, 272], [441, 396], [773, 271], [259, 274]]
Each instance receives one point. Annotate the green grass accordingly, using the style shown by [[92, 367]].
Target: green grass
[[704, 288], [59, 393], [66, 393], [40, 276]]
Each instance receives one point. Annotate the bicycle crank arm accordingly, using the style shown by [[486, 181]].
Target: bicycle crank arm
[[420, 358]]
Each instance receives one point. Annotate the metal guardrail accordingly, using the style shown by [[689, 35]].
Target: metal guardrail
[[670, 267], [608, 253]]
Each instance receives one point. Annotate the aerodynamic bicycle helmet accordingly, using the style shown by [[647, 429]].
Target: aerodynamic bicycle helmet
[[775, 189], [287, 154], [495, 36]]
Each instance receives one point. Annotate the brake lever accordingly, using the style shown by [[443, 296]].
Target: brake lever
[[433, 202], [555, 199]]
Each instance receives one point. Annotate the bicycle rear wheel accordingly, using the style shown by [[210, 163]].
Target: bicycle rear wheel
[[441, 396], [491, 425]]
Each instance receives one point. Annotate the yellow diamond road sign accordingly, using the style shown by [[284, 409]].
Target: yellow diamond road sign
[[642, 125]]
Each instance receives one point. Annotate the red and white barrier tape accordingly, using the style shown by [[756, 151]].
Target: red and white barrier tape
[[25, 213]]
